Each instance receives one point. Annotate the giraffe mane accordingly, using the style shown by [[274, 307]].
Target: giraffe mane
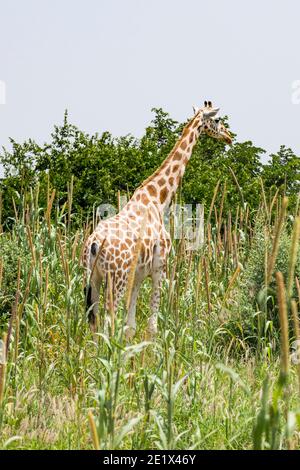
[[158, 170]]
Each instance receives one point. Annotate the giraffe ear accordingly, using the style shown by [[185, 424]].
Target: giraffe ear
[[195, 109], [210, 112]]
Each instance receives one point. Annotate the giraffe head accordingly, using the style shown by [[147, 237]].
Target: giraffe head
[[211, 125]]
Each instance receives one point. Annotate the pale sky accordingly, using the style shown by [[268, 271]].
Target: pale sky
[[110, 62]]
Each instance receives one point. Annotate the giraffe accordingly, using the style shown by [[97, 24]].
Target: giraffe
[[109, 250]]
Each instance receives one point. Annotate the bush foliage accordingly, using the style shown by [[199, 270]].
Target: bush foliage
[[102, 165]]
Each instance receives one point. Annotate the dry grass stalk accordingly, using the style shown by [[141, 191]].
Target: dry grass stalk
[[235, 250], [111, 304], [293, 255], [63, 259], [297, 205], [35, 196], [266, 231], [216, 215], [26, 294], [229, 234], [93, 430], [171, 279], [238, 186], [14, 309], [283, 318], [198, 282], [2, 368], [232, 281], [221, 209], [206, 276], [298, 287], [46, 287], [264, 198], [237, 216], [188, 273], [213, 202], [275, 247], [297, 336], [49, 208], [32, 249], [242, 218], [225, 242], [86, 234], [209, 240], [247, 217], [273, 202], [17, 336], [70, 199], [75, 244], [1, 271], [296, 324], [1, 205], [189, 268]]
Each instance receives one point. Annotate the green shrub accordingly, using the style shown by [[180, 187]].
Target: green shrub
[[255, 314], [10, 252]]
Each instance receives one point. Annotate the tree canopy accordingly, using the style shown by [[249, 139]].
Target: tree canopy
[[102, 165]]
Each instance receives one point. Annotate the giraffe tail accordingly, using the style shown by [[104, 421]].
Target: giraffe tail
[[92, 252]]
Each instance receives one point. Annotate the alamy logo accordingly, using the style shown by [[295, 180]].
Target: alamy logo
[[184, 221], [2, 92]]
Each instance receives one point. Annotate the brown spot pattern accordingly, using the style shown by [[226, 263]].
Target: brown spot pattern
[[152, 190], [163, 195], [177, 156], [145, 199]]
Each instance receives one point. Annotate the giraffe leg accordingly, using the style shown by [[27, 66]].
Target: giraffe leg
[[118, 289], [157, 276], [131, 324], [92, 292], [155, 302]]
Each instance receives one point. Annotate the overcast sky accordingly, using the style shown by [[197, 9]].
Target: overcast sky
[[109, 62]]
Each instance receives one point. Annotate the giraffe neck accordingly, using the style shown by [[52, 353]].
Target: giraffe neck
[[162, 185]]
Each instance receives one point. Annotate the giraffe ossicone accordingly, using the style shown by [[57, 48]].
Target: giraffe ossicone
[[111, 249]]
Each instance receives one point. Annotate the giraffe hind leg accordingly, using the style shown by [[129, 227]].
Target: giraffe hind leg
[[131, 323], [157, 276]]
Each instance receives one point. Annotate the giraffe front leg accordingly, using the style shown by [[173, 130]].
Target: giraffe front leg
[[155, 302], [114, 293], [131, 324], [158, 273]]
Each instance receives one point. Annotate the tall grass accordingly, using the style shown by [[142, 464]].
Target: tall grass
[[217, 376]]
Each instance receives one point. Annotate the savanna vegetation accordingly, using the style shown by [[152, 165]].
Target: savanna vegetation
[[224, 370]]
